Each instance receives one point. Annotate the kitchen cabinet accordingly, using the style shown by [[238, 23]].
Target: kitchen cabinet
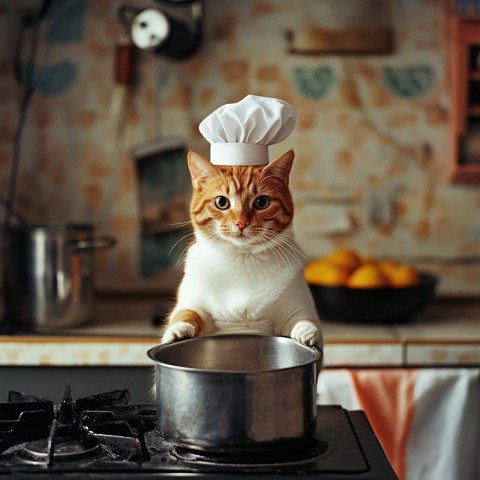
[[463, 62], [446, 333], [418, 382]]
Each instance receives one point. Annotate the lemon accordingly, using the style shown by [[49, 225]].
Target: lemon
[[323, 272], [368, 259], [367, 276], [345, 258], [404, 276], [388, 267]]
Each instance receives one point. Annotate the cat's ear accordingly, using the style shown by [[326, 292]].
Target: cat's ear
[[200, 168], [280, 167]]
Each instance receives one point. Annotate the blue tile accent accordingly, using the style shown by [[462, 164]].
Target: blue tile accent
[[313, 83], [67, 19], [53, 80], [409, 81]]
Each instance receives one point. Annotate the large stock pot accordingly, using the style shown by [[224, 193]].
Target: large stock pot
[[235, 393], [48, 274]]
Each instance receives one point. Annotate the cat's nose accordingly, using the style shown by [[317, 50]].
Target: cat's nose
[[241, 224]]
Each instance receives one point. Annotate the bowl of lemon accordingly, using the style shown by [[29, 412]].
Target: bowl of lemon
[[350, 288]]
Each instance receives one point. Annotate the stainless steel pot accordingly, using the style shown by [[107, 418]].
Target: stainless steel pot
[[48, 274], [236, 392]]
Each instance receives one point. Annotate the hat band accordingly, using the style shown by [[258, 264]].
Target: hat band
[[241, 154]]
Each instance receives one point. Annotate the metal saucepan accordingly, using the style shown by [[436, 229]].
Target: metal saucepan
[[48, 274], [235, 393]]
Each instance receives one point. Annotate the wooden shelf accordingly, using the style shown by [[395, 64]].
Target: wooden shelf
[[467, 173], [463, 60], [473, 111]]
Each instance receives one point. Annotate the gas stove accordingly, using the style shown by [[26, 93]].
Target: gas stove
[[105, 436]]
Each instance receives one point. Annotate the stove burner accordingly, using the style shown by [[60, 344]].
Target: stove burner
[[112, 428], [292, 457], [108, 437], [66, 449]]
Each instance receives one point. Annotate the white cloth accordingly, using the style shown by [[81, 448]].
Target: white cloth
[[445, 431], [240, 133], [441, 426]]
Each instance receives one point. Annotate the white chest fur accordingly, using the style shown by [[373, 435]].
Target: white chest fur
[[237, 291]]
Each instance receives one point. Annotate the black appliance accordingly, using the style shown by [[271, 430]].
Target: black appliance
[[105, 436]]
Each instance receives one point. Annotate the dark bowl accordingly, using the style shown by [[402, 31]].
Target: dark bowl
[[373, 305]]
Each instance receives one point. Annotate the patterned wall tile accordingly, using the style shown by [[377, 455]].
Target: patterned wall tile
[[408, 81], [313, 83], [366, 123]]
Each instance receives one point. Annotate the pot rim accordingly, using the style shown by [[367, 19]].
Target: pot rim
[[315, 351]]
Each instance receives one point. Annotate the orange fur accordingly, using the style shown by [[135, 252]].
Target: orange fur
[[242, 185], [191, 317]]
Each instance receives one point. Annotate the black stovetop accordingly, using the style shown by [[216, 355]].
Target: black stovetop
[[107, 437]]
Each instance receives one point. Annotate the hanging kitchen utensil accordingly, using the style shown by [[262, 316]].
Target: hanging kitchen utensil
[[156, 30]]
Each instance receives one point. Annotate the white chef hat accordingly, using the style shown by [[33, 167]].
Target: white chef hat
[[240, 133]]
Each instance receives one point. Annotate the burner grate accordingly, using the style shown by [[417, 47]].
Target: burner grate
[[24, 418], [104, 424]]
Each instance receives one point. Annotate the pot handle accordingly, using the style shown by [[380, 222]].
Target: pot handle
[[94, 243], [319, 352]]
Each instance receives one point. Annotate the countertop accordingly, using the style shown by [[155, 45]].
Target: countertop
[[446, 333]]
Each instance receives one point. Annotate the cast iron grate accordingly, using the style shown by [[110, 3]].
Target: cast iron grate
[[106, 424]]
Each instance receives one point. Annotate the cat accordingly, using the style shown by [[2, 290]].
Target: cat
[[244, 271]]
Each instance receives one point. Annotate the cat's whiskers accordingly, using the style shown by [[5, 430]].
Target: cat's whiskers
[[288, 241], [181, 224], [271, 248], [215, 238], [291, 253], [293, 247], [183, 255], [179, 240], [284, 243], [276, 249], [287, 250]]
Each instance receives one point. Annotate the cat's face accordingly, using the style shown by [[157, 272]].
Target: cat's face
[[242, 206]]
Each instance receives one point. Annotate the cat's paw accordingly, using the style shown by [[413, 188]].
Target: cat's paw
[[307, 333], [177, 331]]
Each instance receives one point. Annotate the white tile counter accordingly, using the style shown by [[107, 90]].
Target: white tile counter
[[446, 333]]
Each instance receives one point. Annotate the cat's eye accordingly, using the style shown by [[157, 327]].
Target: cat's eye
[[261, 202], [222, 203]]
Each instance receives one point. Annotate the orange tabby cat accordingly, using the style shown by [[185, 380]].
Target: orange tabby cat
[[244, 272]]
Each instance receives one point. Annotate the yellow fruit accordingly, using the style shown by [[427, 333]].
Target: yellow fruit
[[404, 276], [312, 269], [368, 259], [323, 272], [367, 276], [345, 258], [388, 267]]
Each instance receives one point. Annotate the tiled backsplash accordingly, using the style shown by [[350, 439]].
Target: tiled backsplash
[[370, 141]]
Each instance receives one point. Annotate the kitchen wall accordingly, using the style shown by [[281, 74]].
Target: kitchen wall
[[370, 140]]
